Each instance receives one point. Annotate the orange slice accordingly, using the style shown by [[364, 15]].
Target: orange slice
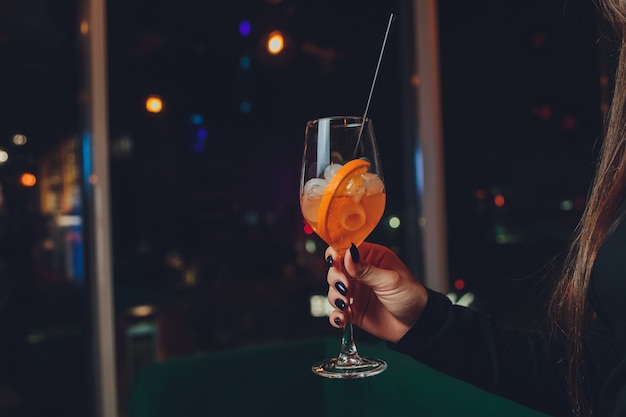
[[331, 205]]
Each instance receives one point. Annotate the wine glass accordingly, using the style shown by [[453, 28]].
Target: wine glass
[[342, 198]]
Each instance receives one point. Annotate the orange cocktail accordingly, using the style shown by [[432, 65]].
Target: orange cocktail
[[346, 206]]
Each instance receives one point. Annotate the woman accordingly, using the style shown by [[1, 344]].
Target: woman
[[577, 369]]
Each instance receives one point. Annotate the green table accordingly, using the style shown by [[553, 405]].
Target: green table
[[276, 380]]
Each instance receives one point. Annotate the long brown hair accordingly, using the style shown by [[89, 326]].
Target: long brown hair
[[569, 302]]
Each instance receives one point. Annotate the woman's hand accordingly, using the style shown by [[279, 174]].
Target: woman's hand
[[386, 298]]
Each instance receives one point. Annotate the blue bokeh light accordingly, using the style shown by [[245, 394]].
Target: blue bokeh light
[[196, 119], [244, 62], [202, 133], [245, 107], [245, 28]]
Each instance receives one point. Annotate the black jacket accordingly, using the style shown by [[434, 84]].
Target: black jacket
[[528, 367]]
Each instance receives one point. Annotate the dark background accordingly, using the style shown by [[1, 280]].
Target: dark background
[[522, 108], [205, 216]]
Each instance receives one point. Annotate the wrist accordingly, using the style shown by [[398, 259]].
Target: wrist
[[411, 314]]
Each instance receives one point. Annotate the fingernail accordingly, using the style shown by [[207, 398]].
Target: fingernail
[[341, 288], [341, 305], [354, 252], [329, 261], [337, 321]]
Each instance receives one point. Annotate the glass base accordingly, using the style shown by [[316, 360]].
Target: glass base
[[352, 366]]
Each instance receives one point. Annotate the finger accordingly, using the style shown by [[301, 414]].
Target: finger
[[337, 286], [335, 275], [337, 319], [332, 253], [336, 298]]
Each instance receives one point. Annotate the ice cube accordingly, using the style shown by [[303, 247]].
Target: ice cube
[[373, 184], [311, 198], [355, 188], [330, 170], [314, 188]]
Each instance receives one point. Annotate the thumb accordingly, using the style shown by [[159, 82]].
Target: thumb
[[367, 274]]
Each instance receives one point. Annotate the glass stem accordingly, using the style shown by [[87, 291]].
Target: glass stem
[[347, 341], [348, 354]]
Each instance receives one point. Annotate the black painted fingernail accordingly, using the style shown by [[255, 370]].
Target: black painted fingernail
[[341, 305], [341, 288], [329, 261], [337, 321], [354, 252]]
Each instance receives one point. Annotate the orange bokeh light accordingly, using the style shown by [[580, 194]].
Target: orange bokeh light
[[154, 104], [275, 42], [28, 180]]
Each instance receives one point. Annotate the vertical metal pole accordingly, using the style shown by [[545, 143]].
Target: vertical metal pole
[[96, 168], [430, 144]]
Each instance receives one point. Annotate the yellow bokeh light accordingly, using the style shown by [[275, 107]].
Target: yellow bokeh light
[[154, 104], [141, 311], [19, 139], [275, 42], [28, 180]]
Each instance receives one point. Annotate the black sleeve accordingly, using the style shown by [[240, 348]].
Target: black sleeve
[[522, 366]]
